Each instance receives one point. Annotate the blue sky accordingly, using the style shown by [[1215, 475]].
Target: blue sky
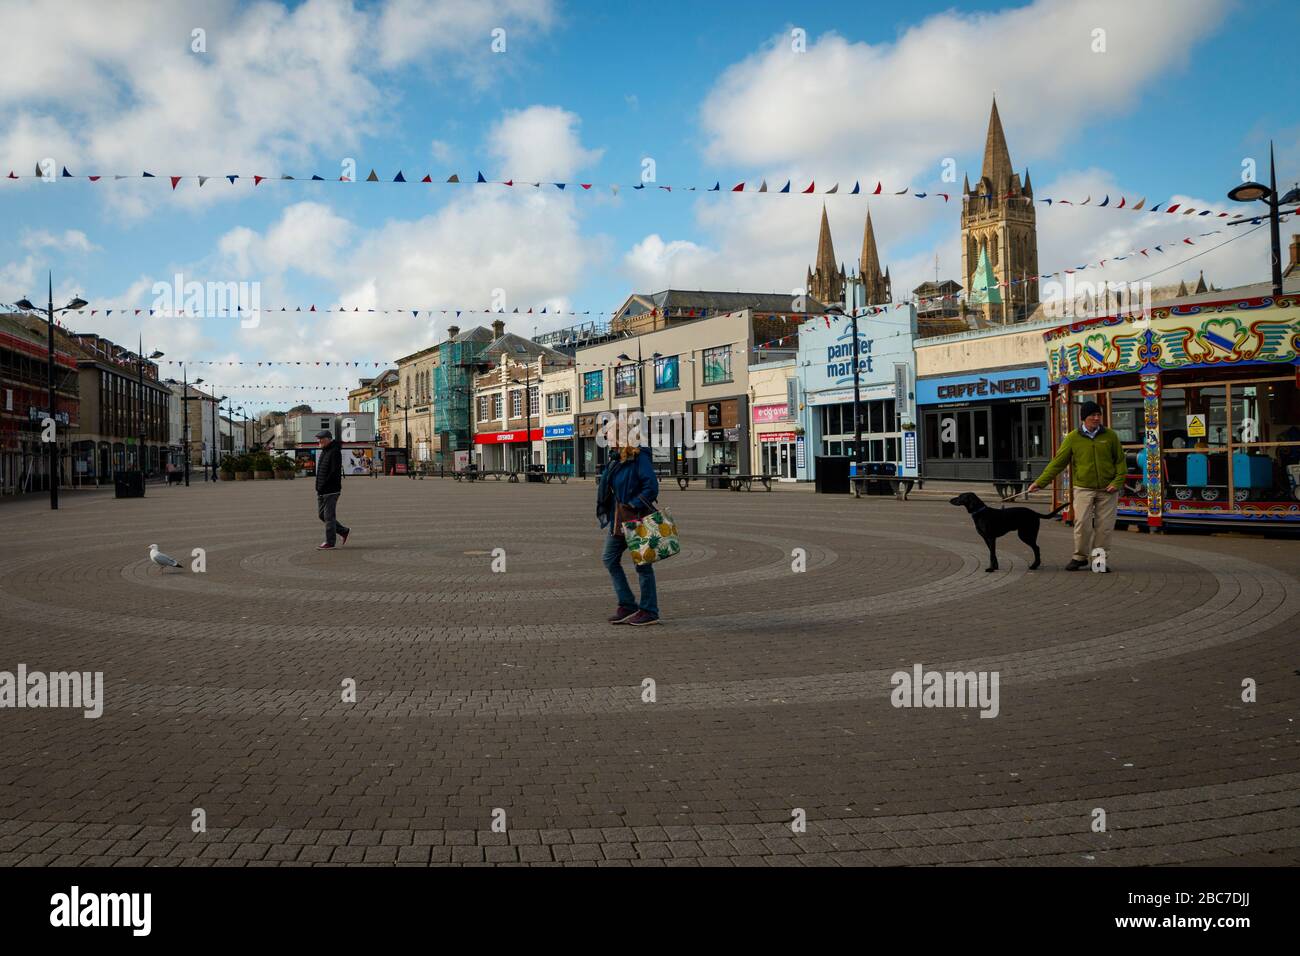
[[1180, 96]]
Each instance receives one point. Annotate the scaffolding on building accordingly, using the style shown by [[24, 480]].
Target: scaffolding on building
[[453, 386]]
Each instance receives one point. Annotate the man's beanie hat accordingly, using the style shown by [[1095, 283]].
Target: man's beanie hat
[[1089, 408]]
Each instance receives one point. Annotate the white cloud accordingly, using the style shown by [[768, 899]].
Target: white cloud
[[779, 107], [102, 93], [73, 240], [540, 143]]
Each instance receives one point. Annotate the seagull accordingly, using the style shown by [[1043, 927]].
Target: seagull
[[160, 559]]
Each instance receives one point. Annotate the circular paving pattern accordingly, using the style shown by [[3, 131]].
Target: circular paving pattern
[[477, 689]]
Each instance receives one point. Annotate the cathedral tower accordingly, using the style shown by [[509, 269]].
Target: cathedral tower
[[876, 287], [999, 235]]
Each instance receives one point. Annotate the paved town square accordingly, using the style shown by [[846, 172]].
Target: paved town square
[[418, 696]]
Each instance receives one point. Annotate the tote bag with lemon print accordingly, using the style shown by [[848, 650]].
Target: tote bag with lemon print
[[652, 538]]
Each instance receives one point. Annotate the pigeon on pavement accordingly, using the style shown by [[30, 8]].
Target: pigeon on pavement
[[160, 559]]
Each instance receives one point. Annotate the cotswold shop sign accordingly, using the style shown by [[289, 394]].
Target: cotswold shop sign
[[1021, 383]]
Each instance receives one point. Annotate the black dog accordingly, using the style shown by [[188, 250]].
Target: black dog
[[992, 525]]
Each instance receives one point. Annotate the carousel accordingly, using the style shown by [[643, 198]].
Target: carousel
[[1205, 397]]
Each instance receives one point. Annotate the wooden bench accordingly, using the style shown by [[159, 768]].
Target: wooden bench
[[746, 482], [902, 485]]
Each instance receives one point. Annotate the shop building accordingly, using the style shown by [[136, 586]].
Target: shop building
[[886, 378], [508, 431], [983, 403], [558, 388], [778, 444], [692, 377], [1205, 395]]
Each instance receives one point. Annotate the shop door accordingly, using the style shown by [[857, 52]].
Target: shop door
[[1034, 448]]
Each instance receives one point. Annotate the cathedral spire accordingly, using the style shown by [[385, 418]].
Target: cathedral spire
[[997, 158], [869, 261], [825, 262]]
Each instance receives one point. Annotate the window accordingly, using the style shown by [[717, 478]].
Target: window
[[533, 399], [717, 365], [666, 373], [496, 406], [482, 408], [516, 404], [624, 380], [593, 386], [557, 403]]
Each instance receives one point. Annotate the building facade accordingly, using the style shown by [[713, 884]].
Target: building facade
[[886, 377], [24, 401], [982, 399], [999, 235]]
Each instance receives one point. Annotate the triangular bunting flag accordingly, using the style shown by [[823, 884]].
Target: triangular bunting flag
[[811, 187], [372, 178], [175, 180], [399, 178], [453, 178]]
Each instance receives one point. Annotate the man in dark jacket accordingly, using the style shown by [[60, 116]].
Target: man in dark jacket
[[329, 485]]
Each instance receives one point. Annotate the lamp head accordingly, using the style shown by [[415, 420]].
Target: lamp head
[[25, 305], [77, 303], [1249, 192]]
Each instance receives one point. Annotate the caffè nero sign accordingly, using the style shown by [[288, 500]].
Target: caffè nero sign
[[1018, 383]]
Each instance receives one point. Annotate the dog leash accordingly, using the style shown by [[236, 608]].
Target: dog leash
[[1015, 496]]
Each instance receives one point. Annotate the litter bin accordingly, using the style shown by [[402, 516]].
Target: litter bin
[[535, 473], [128, 484], [718, 476], [832, 475]]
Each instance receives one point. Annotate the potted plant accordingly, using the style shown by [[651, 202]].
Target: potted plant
[[228, 468], [283, 466], [261, 465], [243, 468]]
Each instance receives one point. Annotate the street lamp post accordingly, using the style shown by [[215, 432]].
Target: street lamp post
[[1252, 191], [640, 377], [27, 306], [216, 434], [139, 408]]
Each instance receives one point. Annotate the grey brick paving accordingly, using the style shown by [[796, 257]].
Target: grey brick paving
[[478, 691]]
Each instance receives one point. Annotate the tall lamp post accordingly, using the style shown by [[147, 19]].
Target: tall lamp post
[[139, 408], [216, 433], [1250, 192], [640, 377], [27, 306], [185, 413]]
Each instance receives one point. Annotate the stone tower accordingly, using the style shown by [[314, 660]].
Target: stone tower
[[999, 234], [825, 281], [876, 287]]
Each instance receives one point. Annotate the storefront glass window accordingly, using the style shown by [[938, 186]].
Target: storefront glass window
[[717, 365], [1265, 448], [625, 380], [666, 373]]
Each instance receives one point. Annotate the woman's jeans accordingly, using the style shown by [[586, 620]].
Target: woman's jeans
[[615, 545]]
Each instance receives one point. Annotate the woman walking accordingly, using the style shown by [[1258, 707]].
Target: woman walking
[[627, 490]]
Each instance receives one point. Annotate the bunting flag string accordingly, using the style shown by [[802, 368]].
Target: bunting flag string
[[1122, 202], [1145, 252]]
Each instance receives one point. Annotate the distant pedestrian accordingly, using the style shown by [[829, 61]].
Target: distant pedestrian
[[1095, 457], [626, 490], [329, 485]]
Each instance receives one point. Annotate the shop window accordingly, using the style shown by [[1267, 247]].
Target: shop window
[[717, 365], [624, 380], [1264, 457], [593, 386], [666, 373]]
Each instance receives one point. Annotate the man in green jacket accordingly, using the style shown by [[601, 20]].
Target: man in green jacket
[[1095, 457]]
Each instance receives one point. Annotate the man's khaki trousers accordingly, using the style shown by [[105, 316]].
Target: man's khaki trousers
[[1094, 520]]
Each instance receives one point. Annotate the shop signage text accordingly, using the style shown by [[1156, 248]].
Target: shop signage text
[[501, 438], [559, 431], [1018, 383]]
